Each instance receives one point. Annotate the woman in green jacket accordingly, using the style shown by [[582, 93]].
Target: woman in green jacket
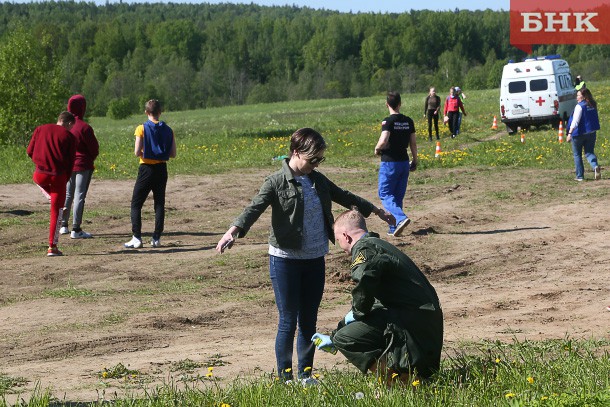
[[301, 226]]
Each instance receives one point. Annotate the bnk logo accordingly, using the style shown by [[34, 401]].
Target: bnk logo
[[564, 22], [559, 22]]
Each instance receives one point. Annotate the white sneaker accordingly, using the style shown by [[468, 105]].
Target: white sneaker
[[134, 243], [309, 382], [64, 230], [155, 242], [401, 227], [80, 235], [598, 173]]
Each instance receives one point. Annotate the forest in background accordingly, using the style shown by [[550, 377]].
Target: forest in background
[[194, 56]]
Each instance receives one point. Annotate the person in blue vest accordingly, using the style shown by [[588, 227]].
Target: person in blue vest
[[155, 145], [582, 133]]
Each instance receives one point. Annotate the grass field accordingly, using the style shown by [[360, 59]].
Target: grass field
[[221, 139], [547, 373]]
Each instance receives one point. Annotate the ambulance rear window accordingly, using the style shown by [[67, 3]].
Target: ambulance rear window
[[516, 87], [538, 85]]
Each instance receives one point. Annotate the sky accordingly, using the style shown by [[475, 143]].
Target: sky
[[375, 6]]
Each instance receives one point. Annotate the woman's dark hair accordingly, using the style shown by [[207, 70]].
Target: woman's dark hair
[[307, 141], [588, 97]]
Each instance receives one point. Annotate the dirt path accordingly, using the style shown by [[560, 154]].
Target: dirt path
[[512, 253]]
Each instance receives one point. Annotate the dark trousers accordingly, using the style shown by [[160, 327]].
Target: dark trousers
[[298, 286], [431, 116], [453, 121], [151, 177], [411, 339]]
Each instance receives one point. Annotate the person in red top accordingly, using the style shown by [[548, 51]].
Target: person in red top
[[453, 104], [53, 149], [87, 149]]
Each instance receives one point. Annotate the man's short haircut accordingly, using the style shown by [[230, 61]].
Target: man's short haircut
[[66, 117], [153, 107], [393, 100], [307, 141], [350, 220]]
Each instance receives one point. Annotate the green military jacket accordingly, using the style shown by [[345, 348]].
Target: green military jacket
[[387, 277], [284, 194]]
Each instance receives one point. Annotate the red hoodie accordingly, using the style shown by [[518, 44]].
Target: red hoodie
[[52, 148], [87, 147]]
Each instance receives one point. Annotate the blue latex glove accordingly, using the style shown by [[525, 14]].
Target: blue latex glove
[[323, 342], [349, 317]]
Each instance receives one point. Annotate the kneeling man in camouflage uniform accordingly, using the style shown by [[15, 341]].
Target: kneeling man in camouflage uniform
[[395, 326]]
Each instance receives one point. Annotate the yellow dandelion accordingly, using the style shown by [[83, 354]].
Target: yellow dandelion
[[530, 380], [544, 398], [104, 374], [210, 369], [225, 405], [415, 383], [315, 376], [509, 395], [498, 360], [209, 374]]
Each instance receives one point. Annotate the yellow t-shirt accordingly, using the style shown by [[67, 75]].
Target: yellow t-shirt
[[140, 133]]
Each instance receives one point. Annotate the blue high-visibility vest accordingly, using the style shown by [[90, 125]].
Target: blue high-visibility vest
[[589, 120]]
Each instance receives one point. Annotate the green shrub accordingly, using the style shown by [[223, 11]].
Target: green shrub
[[119, 109]]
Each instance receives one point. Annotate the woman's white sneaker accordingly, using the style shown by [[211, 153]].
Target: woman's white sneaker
[[80, 235]]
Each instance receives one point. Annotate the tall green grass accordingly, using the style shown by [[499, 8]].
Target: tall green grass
[[546, 373], [240, 137]]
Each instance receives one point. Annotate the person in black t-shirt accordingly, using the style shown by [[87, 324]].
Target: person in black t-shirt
[[397, 133]]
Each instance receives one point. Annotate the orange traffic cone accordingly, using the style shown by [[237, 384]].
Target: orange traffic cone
[[522, 138], [560, 131], [438, 150], [494, 126]]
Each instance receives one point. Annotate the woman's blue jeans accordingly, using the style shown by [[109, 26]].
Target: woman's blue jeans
[[584, 142], [298, 286]]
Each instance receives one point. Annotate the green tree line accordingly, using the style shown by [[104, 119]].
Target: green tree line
[[200, 55]]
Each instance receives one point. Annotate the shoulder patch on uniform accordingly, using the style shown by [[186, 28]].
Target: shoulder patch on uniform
[[358, 260]]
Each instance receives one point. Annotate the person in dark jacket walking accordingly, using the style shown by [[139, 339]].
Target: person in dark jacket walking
[[395, 325], [301, 225], [52, 149], [87, 150], [432, 105]]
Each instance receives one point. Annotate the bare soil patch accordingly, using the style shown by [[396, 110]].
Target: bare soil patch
[[512, 253]]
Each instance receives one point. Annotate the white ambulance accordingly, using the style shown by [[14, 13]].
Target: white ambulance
[[536, 91]]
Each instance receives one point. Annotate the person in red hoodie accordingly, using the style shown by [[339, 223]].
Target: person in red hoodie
[[53, 148], [87, 149], [453, 105]]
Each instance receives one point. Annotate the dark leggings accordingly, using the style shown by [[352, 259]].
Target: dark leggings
[[431, 116]]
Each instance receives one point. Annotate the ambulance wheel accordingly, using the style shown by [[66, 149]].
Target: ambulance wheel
[[511, 128]]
